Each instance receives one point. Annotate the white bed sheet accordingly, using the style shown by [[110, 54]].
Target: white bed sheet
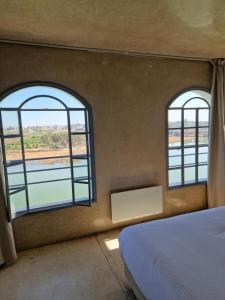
[[179, 258]]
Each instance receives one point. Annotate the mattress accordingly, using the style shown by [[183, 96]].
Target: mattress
[[179, 258]]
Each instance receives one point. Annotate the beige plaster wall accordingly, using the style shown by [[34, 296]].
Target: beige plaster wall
[[128, 96]]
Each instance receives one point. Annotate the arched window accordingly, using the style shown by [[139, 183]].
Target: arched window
[[47, 147], [188, 136]]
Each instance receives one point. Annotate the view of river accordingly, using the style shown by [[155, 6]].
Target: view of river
[[49, 193], [189, 170]]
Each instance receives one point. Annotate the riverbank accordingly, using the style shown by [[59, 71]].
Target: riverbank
[[40, 153]]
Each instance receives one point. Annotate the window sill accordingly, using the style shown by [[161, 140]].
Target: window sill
[[169, 188], [52, 208]]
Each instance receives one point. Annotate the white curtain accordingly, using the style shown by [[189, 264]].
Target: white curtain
[[7, 245], [216, 169]]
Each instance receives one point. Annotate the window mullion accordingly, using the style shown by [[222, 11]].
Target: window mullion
[[23, 157], [182, 146], [196, 143], [71, 155], [88, 156], [5, 171]]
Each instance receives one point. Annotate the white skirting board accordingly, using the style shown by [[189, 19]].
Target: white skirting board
[[137, 203]]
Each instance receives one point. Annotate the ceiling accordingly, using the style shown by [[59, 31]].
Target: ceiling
[[193, 28]]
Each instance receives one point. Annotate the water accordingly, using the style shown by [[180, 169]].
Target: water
[[51, 193], [175, 175]]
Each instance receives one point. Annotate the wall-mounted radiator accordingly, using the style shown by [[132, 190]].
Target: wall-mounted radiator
[[136, 204]]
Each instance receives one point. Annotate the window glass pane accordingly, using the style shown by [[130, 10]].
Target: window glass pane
[[80, 167], [80, 172], [203, 136], [174, 177], [173, 152], [13, 149], [202, 173], [58, 169], [81, 191], [45, 134], [43, 103], [79, 162], [174, 138], [52, 193], [189, 159], [15, 175], [189, 137], [203, 158], [189, 175], [18, 203], [180, 100], [174, 118], [190, 150], [189, 118], [196, 103], [10, 122], [16, 98], [79, 144], [175, 161], [43, 164], [203, 149], [77, 121], [203, 117]]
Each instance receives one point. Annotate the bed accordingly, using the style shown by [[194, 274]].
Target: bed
[[179, 258]]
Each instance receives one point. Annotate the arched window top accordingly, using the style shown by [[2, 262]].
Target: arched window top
[[42, 102], [41, 97], [192, 98]]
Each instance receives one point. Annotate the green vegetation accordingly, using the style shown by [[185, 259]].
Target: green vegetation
[[44, 140], [50, 140]]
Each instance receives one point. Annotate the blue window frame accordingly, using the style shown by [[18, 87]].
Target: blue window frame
[[188, 119], [47, 148]]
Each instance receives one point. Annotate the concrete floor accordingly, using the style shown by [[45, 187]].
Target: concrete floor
[[82, 269]]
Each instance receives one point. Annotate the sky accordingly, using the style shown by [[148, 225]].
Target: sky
[[51, 118], [189, 115], [41, 118]]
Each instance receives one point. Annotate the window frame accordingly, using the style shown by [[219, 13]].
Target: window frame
[[189, 89], [89, 133]]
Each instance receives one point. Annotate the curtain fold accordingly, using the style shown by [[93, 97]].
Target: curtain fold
[[216, 168], [7, 245]]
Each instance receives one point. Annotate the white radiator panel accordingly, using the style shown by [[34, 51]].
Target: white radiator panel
[[136, 204]]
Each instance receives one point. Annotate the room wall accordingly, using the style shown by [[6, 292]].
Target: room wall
[[128, 96]]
